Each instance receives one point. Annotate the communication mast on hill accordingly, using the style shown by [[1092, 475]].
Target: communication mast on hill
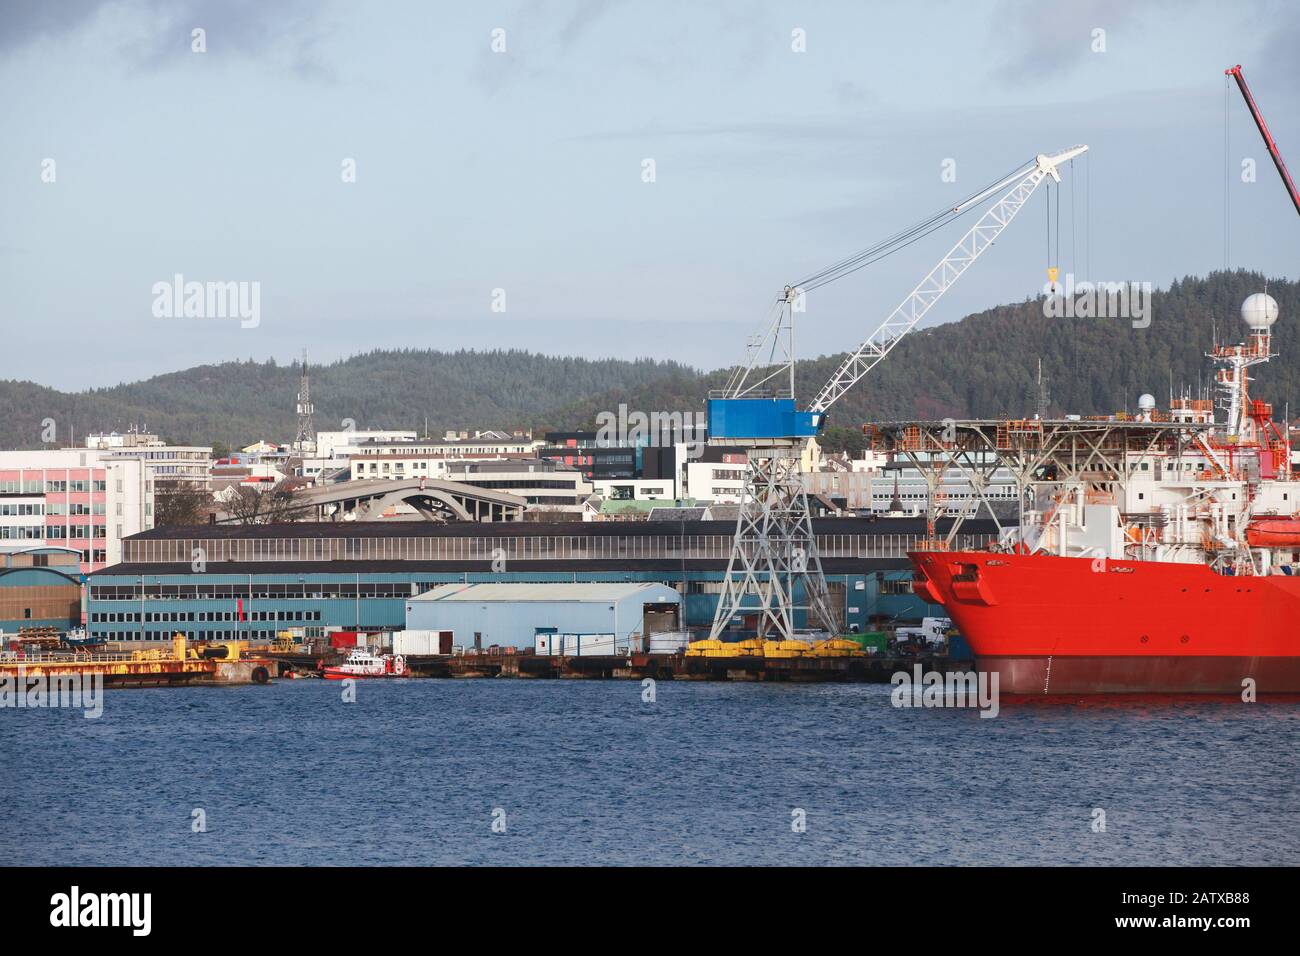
[[1042, 396], [306, 438]]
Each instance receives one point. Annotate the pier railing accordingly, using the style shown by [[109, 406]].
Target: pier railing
[[42, 660]]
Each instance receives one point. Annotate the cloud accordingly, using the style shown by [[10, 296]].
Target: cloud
[[1051, 40], [25, 22], [492, 71], [1279, 51], [286, 34]]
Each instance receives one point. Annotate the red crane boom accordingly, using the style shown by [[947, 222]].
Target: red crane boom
[[1235, 73]]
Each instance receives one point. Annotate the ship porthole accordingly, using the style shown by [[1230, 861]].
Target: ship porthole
[[1144, 638], [1184, 639]]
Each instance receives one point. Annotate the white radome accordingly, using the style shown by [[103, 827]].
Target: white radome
[[1147, 402], [1259, 311]]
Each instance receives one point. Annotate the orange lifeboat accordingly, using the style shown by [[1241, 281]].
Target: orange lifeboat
[[1273, 533]]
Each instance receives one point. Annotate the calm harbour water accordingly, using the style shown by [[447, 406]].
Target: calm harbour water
[[585, 772]]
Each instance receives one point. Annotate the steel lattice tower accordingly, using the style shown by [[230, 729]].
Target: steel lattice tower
[[306, 438], [774, 551]]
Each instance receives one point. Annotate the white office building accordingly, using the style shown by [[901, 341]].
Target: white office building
[[342, 444]]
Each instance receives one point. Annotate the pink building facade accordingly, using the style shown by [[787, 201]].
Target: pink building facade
[[74, 499]]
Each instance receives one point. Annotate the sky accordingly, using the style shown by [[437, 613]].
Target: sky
[[478, 174]]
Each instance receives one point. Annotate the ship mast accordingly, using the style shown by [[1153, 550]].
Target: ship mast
[[1259, 312]]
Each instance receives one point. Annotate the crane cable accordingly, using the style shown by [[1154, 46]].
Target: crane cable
[[1227, 218], [898, 241], [740, 372], [865, 257], [1047, 206], [1074, 242], [1087, 216], [1058, 224]]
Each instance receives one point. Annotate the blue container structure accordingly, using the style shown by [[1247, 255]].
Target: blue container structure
[[759, 419]]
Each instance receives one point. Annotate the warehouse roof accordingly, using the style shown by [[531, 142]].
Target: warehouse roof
[[678, 513], [391, 528], [350, 569], [557, 591]]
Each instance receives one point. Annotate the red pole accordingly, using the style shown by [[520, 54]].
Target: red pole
[[1235, 72]]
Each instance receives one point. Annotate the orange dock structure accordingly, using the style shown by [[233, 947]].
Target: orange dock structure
[[226, 663]]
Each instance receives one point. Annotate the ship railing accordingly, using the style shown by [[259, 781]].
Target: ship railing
[[68, 659], [933, 544], [725, 393]]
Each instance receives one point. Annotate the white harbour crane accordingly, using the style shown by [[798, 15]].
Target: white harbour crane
[[774, 552]]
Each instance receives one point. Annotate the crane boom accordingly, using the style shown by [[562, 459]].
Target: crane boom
[[1269, 144], [940, 279], [775, 571]]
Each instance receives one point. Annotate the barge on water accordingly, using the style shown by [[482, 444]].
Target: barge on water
[[862, 670], [224, 664]]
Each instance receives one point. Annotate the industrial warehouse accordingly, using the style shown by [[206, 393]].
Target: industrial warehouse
[[223, 582], [612, 618], [39, 588]]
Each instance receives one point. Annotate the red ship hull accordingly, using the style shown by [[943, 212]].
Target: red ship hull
[[1050, 625]]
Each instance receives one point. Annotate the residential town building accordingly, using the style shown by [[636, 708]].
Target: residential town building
[[85, 500]]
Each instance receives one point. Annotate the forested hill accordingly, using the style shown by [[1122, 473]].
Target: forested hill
[[236, 403], [984, 365]]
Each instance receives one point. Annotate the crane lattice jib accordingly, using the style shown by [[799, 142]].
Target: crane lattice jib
[[941, 278], [1269, 143]]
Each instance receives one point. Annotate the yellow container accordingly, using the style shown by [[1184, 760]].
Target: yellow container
[[837, 647], [785, 649], [704, 648]]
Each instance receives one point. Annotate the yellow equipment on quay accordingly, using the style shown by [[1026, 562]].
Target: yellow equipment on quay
[[756, 647], [227, 662]]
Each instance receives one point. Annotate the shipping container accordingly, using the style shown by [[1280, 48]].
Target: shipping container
[[421, 642], [512, 613], [873, 642], [577, 645], [668, 642], [590, 645]]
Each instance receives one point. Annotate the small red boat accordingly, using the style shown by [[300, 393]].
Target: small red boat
[[364, 664]]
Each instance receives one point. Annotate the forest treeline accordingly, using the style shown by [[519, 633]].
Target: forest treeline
[[984, 365]]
